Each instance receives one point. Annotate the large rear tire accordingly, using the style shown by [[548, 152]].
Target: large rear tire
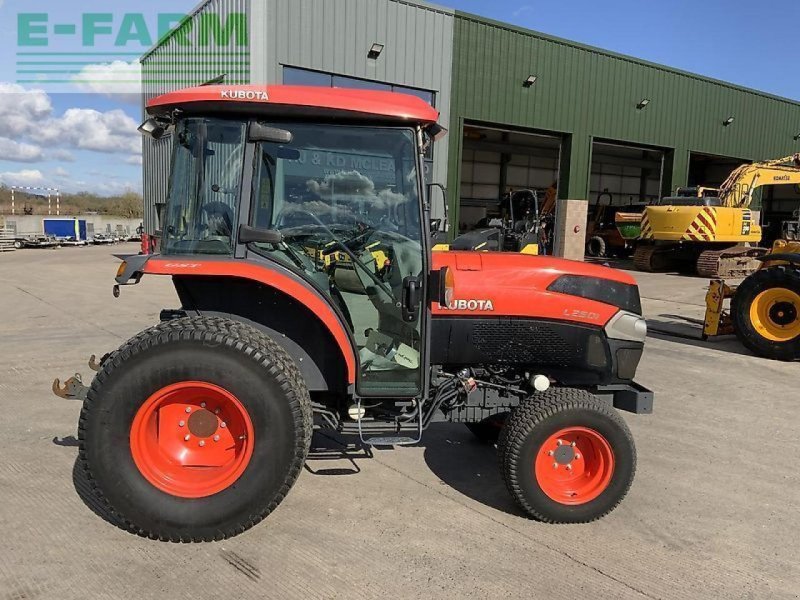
[[766, 313], [567, 456], [195, 429]]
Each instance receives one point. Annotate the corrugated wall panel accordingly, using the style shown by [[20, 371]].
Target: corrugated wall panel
[[334, 36], [591, 93], [172, 65]]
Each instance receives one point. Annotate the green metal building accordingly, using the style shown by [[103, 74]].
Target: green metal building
[[525, 110]]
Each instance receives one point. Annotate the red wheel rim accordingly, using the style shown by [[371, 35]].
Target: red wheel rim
[[574, 466], [192, 439]]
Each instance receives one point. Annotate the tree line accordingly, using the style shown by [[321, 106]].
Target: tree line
[[130, 204]]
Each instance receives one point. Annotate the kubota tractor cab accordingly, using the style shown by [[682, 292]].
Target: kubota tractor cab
[[297, 234]]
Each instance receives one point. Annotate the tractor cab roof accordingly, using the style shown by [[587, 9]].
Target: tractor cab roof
[[282, 101]]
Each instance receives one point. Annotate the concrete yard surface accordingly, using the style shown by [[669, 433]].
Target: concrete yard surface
[[714, 511]]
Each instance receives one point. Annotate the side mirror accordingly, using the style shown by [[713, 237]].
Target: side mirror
[[254, 235], [262, 133], [152, 128]]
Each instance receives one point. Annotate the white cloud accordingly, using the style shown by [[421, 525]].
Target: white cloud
[[61, 155], [28, 115], [134, 160], [13, 151], [525, 8], [89, 129], [61, 173], [21, 109], [22, 178], [118, 79]]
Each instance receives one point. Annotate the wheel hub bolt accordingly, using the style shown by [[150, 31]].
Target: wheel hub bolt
[[216, 412], [577, 457], [202, 405], [559, 443], [555, 465], [187, 438], [188, 409], [202, 443], [551, 453], [216, 438], [572, 444], [181, 423], [223, 425], [568, 467]]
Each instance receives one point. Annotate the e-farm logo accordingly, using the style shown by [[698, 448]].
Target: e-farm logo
[[70, 50]]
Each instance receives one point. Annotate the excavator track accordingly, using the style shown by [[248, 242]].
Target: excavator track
[[652, 259], [642, 258], [730, 263]]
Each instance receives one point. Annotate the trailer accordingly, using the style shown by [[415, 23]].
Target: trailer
[[70, 232]]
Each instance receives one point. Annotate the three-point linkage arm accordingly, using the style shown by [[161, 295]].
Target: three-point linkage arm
[[737, 191]]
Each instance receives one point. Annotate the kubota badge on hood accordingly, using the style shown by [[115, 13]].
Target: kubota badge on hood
[[474, 305]]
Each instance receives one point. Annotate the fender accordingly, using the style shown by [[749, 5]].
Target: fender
[[187, 266]]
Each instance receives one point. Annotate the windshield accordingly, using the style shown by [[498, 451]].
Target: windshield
[[204, 187]]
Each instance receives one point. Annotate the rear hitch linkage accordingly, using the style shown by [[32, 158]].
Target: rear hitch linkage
[[73, 388]]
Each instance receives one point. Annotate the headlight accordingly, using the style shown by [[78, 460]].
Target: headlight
[[627, 326], [615, 293]]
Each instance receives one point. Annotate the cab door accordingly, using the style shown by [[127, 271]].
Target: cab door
[[347, 201]]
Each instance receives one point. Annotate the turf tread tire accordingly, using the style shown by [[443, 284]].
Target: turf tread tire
[[533, 412], [247, 341]]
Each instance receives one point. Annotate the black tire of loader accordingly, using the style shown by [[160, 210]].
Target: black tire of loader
[[227, 353], [787, 277], [540, 416], [488, 430]]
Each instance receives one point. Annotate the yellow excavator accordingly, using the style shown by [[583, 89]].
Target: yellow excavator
[[715, 235]]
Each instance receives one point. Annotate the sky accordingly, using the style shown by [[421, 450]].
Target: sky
[[80, 134]]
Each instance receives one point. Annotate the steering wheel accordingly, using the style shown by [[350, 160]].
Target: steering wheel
[[355, 243]]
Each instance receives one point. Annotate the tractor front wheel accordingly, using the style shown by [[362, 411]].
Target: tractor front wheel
[[766, 313], [195, 429], [567, 456]]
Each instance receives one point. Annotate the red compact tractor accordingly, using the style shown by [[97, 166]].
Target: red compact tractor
[[297, 233]]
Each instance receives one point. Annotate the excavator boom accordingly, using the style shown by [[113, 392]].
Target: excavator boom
[[738, 189]]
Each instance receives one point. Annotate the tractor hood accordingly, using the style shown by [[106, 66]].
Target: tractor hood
[[518, 285]]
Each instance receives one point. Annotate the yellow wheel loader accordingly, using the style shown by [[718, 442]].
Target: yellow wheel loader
[[717, 236]]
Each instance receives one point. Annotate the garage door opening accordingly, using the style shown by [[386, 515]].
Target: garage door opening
[[625, 176], [497, 161], [706, 170], [624, 179]]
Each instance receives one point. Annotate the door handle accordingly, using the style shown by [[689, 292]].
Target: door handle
[[412, 298]]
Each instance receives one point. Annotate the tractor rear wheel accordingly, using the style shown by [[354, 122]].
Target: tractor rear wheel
[[567, 456], [195, 429], [766, 313]]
